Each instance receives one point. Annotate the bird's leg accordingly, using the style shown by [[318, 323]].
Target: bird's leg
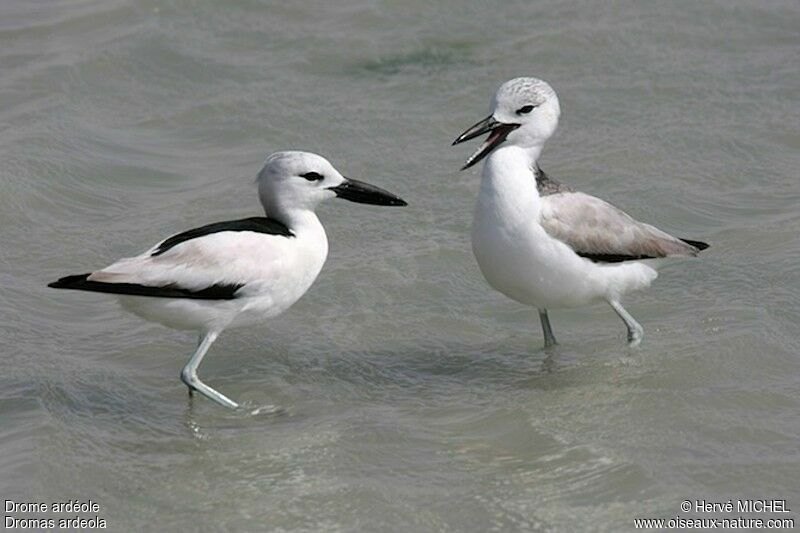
[[189, 372], [635, 330], [549, 338]]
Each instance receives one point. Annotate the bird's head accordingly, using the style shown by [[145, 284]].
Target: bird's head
[[525, 113], [301, 180]]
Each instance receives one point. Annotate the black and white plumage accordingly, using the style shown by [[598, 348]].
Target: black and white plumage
[[543, 243], [238, 272]]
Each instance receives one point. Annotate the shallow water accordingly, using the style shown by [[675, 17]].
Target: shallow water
[[401, 393]]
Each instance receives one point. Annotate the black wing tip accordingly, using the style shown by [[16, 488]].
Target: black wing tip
[[69, 282], [80, 282], [700, 245]]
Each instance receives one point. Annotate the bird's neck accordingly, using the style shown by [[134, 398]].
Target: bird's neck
[[516, 155], [299, 221], [509, 182]]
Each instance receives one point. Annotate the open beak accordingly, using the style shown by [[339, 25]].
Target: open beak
[[364, 193], [498, 133]]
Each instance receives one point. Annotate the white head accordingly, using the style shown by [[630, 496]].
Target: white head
[[301, 180], [525, 113]]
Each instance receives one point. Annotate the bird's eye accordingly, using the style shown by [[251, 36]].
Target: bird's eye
[[312, 176], [524, 110]]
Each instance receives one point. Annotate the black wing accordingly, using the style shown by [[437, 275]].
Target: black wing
[[81, 283], [256, 224]]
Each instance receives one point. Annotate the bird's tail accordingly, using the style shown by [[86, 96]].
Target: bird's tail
[[700, 245], [77, 282]]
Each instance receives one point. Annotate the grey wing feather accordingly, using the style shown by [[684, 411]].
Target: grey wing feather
[[597, 230]]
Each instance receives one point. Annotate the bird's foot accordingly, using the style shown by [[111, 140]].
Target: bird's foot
[[194, 384], [635, 337]]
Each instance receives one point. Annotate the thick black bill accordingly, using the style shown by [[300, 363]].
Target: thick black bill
[[364, 193], [485, 125], [499, 132]]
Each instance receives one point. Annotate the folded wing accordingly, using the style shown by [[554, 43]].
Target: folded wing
[[600, 232], [212, 265]]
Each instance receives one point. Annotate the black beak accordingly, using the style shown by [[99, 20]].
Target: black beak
[[499, 132], [364, 193]]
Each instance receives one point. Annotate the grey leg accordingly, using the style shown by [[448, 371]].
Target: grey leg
[[189, 372], [549, 338], [635, 330]]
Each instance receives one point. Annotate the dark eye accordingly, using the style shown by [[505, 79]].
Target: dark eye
[[525, 109], [312, 176]]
